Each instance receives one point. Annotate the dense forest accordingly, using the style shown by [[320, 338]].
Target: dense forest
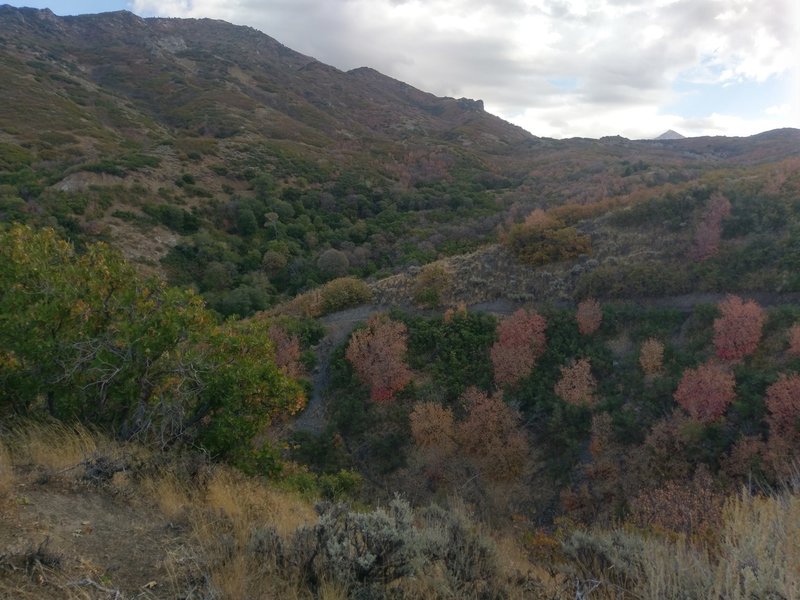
[[313, 333]]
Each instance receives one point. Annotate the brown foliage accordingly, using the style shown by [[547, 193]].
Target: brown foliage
[[539, 219], [706, 392], [520, 342], [745, 458], [460, 311], [577, 383], [794, 340], [491, 435], [605, 472], [651, 356], [589, 316], [708, 231], [432, 426], [738, 330], [377, 354], [667, 449], [692, 508], [287, 351], [783, 404]]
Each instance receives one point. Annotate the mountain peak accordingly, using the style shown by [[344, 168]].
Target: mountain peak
[[671, 134]]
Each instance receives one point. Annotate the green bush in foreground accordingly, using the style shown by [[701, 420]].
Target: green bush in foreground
[[83, 337]]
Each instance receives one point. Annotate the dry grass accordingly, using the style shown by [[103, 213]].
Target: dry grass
[[54, 447], [169, 493], [760, 554], [6, 471], [223, 518]]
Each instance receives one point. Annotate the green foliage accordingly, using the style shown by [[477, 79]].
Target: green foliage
[[84, 333], [342, 293], [174, 217], [540, 246], [634, 280], [454, 352]]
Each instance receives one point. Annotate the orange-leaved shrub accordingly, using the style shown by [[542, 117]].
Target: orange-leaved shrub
[[520, 342], [491, 435], [377, 354], [651, 356], [589, 316], [432, 426], [738, 329], [706, 391], [576, 385], [783, 404]]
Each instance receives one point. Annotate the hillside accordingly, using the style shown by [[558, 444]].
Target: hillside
[[235, 282], [217, 156]]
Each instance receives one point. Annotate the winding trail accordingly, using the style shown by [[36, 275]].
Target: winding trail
[[339, 325]]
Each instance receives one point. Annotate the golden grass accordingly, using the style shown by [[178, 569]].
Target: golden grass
[[53, 446], [172, 496], [760, 548]]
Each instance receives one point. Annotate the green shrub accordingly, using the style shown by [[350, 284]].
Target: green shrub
[[540, 246], [432, 286], [342, 293]]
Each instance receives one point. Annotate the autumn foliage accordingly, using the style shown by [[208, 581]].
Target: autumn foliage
[[432, 426], [783, 404], [377, 354], [794, 340], [651, 356], [738, 329], [520, 342], [287, 351], [708, 231], [589, 316], [491, 435], [577, 383], [706, 392]]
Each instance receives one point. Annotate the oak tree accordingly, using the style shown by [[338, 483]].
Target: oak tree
[[706, 391], [520, 342], [377, 354], [737, 331]]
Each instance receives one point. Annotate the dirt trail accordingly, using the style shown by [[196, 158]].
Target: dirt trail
[[339, 325]]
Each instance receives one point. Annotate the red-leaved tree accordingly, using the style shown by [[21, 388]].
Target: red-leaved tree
[[589, 316], [708, 231], [706, 392], [577, 383], [377, 354], [738, 329], [520, 342]]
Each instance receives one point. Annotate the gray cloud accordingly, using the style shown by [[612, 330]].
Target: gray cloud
[[623, 55]]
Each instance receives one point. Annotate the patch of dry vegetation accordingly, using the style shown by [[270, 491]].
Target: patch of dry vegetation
[[220, 534]]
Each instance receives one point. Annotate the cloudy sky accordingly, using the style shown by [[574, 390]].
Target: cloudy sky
[[558, 68]]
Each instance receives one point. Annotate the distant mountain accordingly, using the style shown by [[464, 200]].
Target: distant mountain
[[671, 134]]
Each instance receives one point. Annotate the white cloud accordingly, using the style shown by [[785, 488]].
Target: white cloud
[[622, 57]]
